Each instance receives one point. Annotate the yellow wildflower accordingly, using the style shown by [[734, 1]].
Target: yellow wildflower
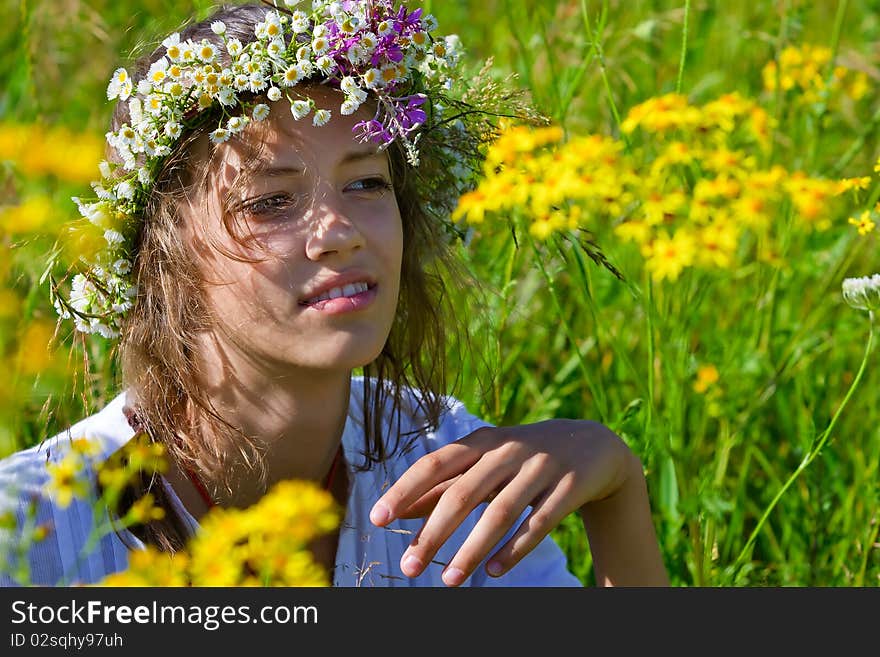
[[634, 231], [144, 511], [717, 244], [667, 257], [864, 223], [67, 479], [847, 184], [33, 215], [34, 354], [707, 375]]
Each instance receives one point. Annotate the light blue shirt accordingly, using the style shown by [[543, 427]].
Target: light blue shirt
[[366, 555]]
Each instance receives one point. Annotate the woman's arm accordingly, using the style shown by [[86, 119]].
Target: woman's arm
[[621, 534]]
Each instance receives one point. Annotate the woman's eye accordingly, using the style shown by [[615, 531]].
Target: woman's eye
[[269, 204], [370, 185]]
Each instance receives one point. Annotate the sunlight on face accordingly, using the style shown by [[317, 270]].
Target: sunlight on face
[[321, 213]]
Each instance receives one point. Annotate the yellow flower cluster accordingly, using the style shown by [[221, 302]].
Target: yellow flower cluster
[[685, 187], [263, 545], [804, 70], [58, 152], [552, 184]]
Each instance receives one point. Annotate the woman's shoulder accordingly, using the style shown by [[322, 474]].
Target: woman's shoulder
[[45, 494], [410, 418], [105, 431]]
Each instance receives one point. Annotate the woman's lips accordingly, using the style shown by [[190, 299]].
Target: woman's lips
[[344, 304]]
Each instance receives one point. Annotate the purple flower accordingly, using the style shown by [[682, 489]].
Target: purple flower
[[373, 130], [412, 116], [402, 21]]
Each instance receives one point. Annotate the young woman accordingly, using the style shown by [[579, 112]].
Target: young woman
[[255, 259]]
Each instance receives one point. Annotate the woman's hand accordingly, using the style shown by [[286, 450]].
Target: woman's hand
[[556, 467]]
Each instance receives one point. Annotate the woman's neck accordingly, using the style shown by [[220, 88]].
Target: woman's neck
[[296, 418]]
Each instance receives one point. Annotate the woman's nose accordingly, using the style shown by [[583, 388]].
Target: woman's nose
[[331, 230]]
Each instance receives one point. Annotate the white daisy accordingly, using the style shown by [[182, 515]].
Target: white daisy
[[300, 108], [261, 111], [234, 47], [299, 22], [326, 65], [172, 47], [219, 136], [321, 117], [349, 106]]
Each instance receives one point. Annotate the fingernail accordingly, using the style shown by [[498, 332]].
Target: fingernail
[[494, 568], [453, 576], [380, 514], [411, 566]]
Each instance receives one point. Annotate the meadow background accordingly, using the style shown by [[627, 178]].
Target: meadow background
[[721, 157]]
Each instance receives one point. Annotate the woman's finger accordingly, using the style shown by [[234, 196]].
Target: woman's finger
[[547, 512], [426, 503], [423, 475], [454, 506], [495, 521]]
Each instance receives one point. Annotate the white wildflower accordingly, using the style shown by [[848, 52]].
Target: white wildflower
[[122, 266], [219, 136], [356, 54], [172, 47], [385, 28], [429, 23], [349, 106], [261, 111], [291, 76], [300, 108], [236, 123], [326, 65], [368, 42], [321, 117], [234, 47], [218, 27], [157, 73], [173, 129], [299, 22], [348, 84], [113, 237], [226, 97], [256, 82], [276, 48], [125, 190], [241, 83], [320, 45], [206, 51], [120, 78], [304, 68], [863, 293]]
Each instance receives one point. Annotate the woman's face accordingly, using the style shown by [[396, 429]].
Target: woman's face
[[323, 215]]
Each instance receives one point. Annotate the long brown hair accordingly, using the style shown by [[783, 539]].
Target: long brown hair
[[158, 339]]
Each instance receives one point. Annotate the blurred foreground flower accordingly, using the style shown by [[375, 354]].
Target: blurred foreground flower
[[863, 293], [263, 545]]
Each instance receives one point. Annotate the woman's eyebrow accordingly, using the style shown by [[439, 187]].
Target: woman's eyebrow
[[357, 156], [291, 170]]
